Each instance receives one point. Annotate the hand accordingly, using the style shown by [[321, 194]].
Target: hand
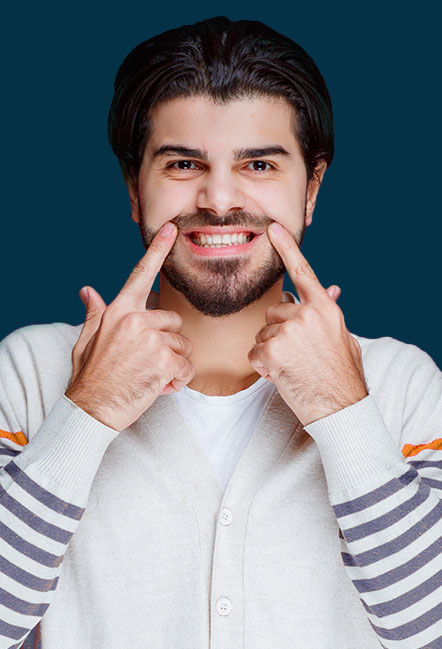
[[126, 356], [306, 349]]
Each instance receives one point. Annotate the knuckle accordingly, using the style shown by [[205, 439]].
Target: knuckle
[[287, 327], [272, 347], [140, 268], [154, 337], [133, 321], [165, 356], [307, 313], [303, 268]]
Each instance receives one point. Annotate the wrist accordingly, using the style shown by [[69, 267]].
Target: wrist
[[84, 404]]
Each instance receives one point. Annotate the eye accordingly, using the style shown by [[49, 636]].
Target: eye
[[260, 165], [183, 165]]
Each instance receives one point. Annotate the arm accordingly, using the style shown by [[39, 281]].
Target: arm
[[44, 484], [124, 358], [388, 503]]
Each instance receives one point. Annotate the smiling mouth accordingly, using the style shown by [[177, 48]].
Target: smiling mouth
[[215, 240], [209, 243]]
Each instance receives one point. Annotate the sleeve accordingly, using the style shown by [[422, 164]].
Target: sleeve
[[44, 485], [387, 500]]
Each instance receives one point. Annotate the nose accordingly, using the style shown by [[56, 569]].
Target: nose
[[220, 193]]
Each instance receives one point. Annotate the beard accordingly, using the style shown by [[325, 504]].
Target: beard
[[221, 286]]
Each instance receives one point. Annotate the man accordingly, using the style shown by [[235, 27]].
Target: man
[[220, 464]]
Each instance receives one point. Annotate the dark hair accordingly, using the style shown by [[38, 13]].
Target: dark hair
[[223, 60]]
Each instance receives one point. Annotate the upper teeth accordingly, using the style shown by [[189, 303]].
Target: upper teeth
[[236, 237]]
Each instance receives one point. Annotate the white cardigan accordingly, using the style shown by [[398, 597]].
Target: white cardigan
[[157, 556]]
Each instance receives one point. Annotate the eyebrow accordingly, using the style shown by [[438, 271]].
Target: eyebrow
[[239, 154]]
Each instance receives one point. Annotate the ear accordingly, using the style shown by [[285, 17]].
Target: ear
[[133, 196], [312, 190]]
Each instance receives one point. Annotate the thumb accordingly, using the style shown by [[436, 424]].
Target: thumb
[[95, 307], [334, 292]]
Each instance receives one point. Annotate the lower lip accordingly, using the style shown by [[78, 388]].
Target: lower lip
[[226, 251]]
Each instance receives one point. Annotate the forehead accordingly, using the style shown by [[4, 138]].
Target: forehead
[[199, 121]]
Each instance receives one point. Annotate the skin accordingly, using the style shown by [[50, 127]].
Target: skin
[[220, 323], [222, 301]]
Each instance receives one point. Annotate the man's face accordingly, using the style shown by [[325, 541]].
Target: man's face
[[221, 168]]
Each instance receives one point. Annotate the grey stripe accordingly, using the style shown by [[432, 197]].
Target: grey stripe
[[388, 519], [31, 519], [28, 549], [436, 644], [437, 484], [402, 571], [8, 451], [398, 543], [425, 464], [46, 497], [11, 631], [407, 599], [411, 628], [25, 578], [375, 496], [20, 606]]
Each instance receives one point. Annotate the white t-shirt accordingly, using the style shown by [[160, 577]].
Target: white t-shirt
[[224, 425]]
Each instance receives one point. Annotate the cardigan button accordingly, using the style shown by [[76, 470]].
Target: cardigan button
[[226, 516], [224, 606]]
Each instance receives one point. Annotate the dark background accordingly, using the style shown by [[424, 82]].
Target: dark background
[[376, 227]]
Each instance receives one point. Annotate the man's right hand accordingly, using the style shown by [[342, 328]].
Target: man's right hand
[[126, 356]]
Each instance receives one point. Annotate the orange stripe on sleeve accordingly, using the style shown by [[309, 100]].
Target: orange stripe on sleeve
[[409, 450], [18, 438]]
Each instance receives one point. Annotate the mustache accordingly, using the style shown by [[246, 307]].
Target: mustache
[[233, 219]]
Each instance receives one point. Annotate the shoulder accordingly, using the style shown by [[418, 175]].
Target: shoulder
[[41, 338], [387, 353], [35, 368], [38, 355]]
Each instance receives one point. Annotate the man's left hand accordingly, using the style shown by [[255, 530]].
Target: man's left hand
[[306, 349]]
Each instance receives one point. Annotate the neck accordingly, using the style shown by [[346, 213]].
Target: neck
[[220, 345]]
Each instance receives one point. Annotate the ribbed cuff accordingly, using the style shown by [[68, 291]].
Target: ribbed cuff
[[355, 445], [68, 447]]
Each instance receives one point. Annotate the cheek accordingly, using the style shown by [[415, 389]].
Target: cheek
[[285, 205], [161, 203]]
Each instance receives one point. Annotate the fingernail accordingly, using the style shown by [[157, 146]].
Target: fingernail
[[84, 296], [276, 229], [167, 229]]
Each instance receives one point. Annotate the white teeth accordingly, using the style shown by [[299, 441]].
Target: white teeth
[[217, 239]]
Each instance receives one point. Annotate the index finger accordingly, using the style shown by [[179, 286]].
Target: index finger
[[301, 273], [139, 283]]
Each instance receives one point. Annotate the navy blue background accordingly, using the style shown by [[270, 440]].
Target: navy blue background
[[65, 210]]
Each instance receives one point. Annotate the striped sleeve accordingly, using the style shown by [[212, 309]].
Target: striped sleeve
[[387, 500], [44, 485]]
